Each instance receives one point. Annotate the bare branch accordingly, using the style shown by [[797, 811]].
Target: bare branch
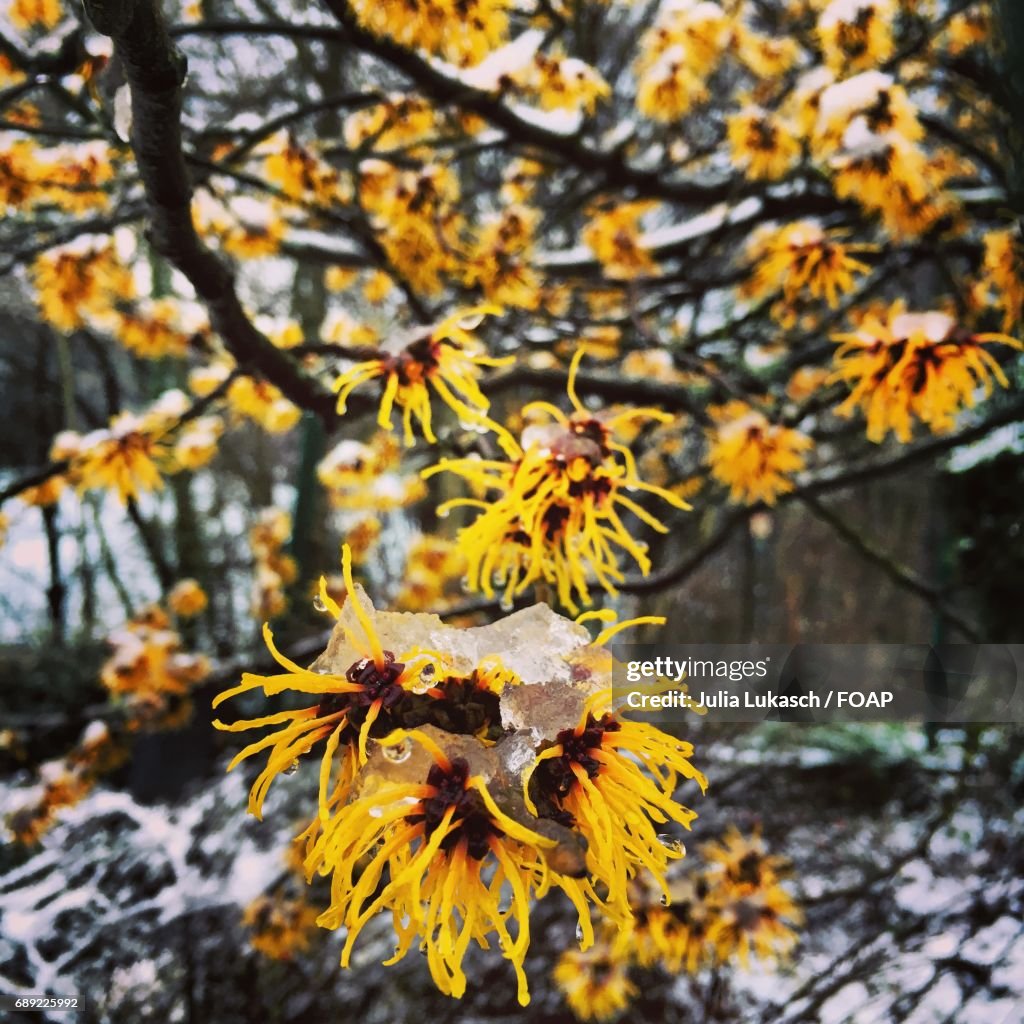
[[155, 71]]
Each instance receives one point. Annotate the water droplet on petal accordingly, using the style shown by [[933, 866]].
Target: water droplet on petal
[[425, 680], [673, 845], [318, 604], [442, 513], [507, 604], [396, 753], [292, 768], [376, 812], [665, 901], [579, 932], [471, 322]]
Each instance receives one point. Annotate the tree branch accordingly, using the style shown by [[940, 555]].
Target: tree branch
[[155, 71]]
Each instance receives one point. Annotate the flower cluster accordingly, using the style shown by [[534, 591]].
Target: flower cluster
[[72, 177], [755, 458], [123, 458], [418, 216], [64, 782], [150, 673], [446, 358], [908, 366], [555, 514], [678, 55], [1004, 271], [361, 476], [78, 282], [464, 774], [614, 238], [762, 144], [274, 569], [801, 258], [187, 598], [465, 33], [733, 907], [433, 569], [279, 927]]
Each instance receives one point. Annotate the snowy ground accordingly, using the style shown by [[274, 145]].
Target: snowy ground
[[909, 869]]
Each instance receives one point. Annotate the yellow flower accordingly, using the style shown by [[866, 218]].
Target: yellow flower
[[252, 229], [149, 670], [197, 443], [280, 927], [915, 365], [297, 172], [1004, 269], [614, 238], [613, 780], [274, 570], [337, 279], [349, 706], [187, 598], [753, 912], [75, 283], [378, 287], [555, 515], [567, 83], [464, 35], [755, 923], [595, 982], [767, 56], [500, 263], [395, 122], [871, 103], [451, 853], [856, 34], [762, 144], [123, 458], [676, 934], [28, 14], [204, 380], [433, 569], [46, 493], [362, 536], [805, 382], [364, 476], [63, 786], [804, 256], [677, 56], [968, 28], [753, 457], [446, 358], [263, 402], [743, 864], [149, 329], [889, 174], [418, 217]]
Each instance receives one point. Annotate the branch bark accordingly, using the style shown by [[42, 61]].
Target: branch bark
[[155, 71]]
